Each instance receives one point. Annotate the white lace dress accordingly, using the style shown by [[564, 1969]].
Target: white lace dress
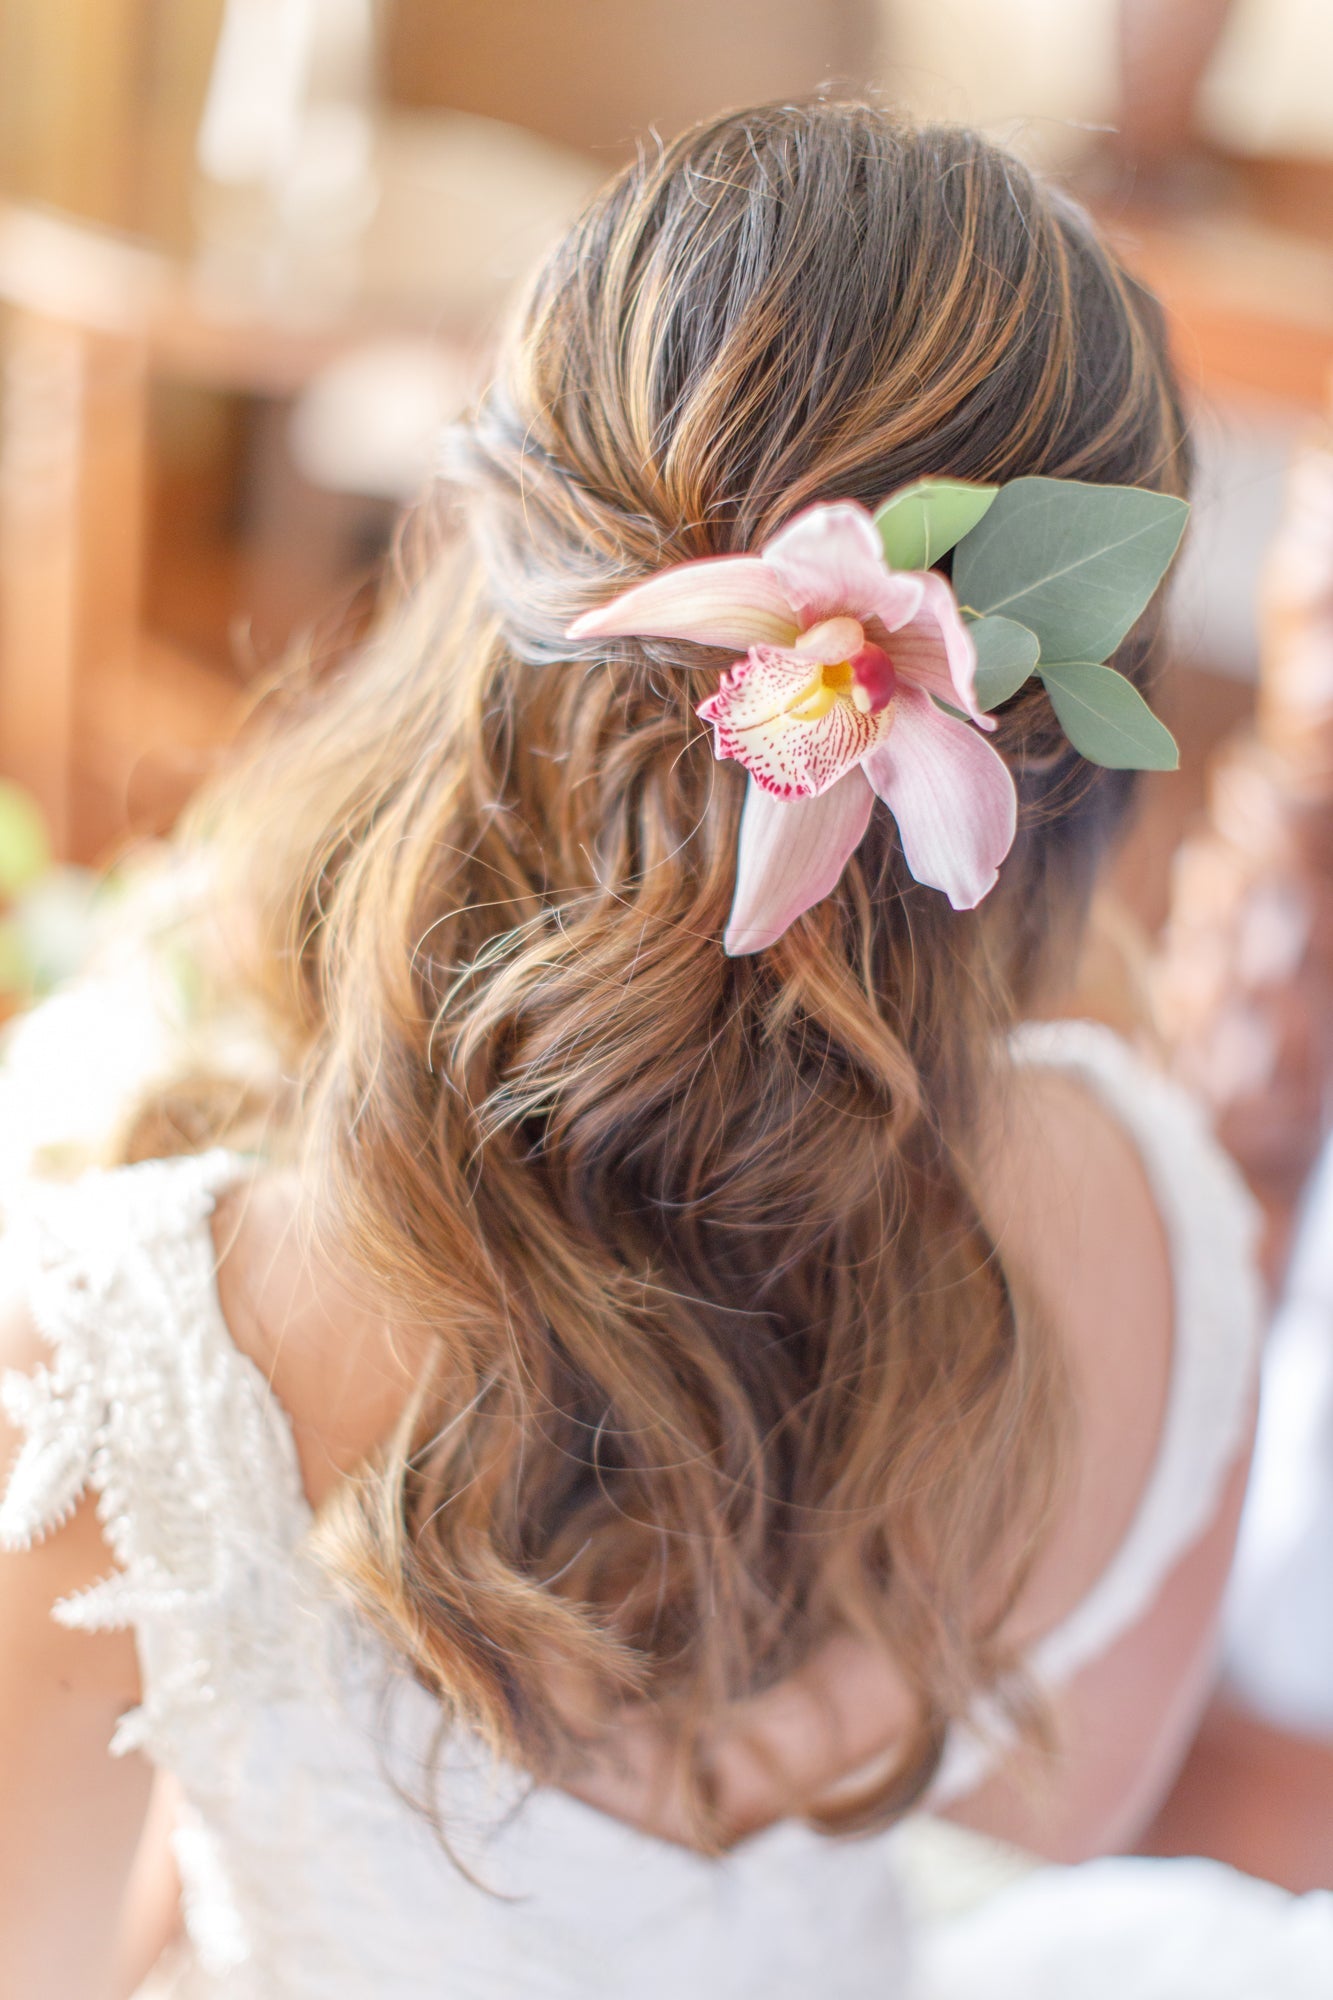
[[301, 1747]]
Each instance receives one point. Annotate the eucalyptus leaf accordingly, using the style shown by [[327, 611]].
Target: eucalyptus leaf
[[1106, 718], [1074, 563], [922, 523], [1006, 657]]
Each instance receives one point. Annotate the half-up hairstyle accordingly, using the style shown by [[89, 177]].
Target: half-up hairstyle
[[723, 1362]]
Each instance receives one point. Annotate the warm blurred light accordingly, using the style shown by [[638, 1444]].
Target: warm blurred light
[[256, 94]]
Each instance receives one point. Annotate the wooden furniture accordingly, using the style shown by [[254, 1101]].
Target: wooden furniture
[[606, 77], [101, 714], [249, 297], [86, 692], [1250, 301]]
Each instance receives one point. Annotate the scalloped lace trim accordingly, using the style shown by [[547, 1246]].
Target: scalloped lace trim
[[147, 1403]]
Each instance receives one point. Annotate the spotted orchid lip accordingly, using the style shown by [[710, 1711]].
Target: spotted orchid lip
[[824, 718], [795, 732]]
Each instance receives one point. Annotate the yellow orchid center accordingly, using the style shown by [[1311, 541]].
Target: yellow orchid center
[[843, 637], [819, 694], [850, 669]]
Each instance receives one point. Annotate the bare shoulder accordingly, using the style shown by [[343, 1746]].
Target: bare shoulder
[[341, 1373], [1065, 1194]]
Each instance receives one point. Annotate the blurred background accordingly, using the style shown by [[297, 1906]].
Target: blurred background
[[254, 252]]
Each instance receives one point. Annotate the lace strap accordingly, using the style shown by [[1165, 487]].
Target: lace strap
[[147, 1403]]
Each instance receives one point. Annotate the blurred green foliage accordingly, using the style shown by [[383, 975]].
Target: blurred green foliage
[[47, 910]]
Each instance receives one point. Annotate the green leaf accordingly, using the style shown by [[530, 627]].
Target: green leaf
[[1106, 718], [25, 848], [1006, 656], [1074, 563], [922, 523]]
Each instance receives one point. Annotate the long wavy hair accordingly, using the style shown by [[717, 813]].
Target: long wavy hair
[[722, 1361]]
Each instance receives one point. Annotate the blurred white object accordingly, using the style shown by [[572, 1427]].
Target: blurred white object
[[278, 62], [1045, 72], [1131, 1929], [256, 93], [466, 205], [423, 220], [1041, 72], [285, 147], [134, 1012], [1244, 455], [1267, 90], [1280, 1612], [74, 1066], [370, 421], [55, 922]]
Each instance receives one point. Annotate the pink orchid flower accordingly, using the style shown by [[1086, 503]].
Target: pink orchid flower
[[831, 708]]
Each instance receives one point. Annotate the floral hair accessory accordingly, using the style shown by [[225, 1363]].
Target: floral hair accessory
[[866, 675]]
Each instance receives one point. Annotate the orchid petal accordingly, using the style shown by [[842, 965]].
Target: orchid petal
[[830, 562], [936, 651], [718, 601], [832, 641], [790, 755], [951, 794], [790, 856]]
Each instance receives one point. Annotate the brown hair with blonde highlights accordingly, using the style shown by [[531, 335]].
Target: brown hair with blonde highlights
[[723, 1362]]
